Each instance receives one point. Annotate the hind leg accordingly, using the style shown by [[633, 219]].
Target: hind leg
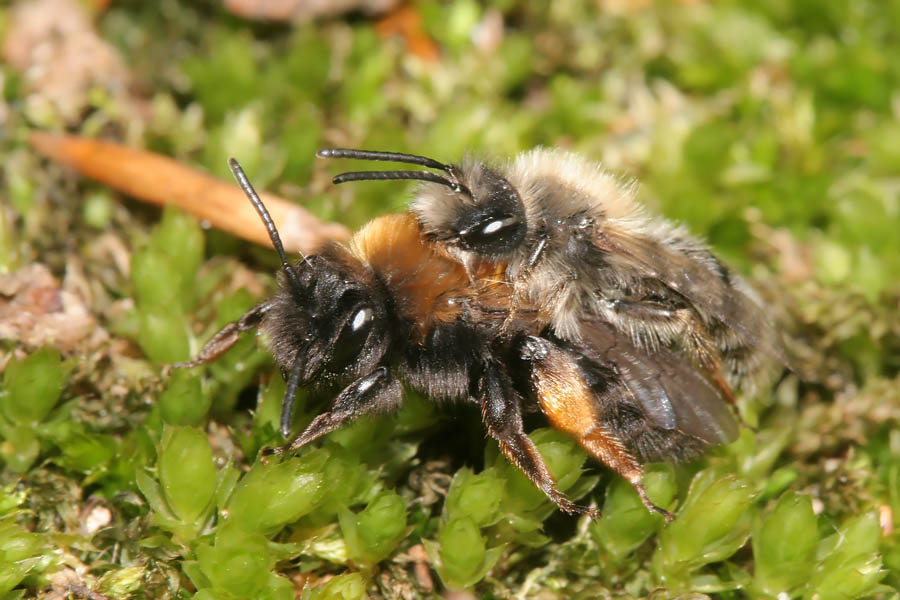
[[571, 407], [502, 415]]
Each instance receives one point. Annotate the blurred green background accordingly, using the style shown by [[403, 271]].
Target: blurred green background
[[771, 127]]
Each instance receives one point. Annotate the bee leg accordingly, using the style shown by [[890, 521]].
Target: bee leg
[[501, 412], [678, 321], [659, 322], [377, 392], [227, 337], [570, 405], [523, 276], [609, 450]]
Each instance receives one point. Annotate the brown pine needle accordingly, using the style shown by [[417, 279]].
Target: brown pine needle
[[161, 180]]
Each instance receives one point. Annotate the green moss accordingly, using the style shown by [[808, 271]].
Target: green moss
[[374, 533], [32, 387], [767, 126]]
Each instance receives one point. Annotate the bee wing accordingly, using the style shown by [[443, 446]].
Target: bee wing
[[670, 390], [697, 276]]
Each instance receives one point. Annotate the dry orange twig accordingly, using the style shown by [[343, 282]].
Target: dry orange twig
[[161, 180]]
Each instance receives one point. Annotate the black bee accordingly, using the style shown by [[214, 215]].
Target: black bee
[[540, 286]]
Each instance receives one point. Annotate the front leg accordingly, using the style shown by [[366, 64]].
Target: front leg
[[521, 279], [375, 393], [501, 412], [658, 322], [227, 337]]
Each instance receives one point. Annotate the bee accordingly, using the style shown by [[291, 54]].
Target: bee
[[540, 286], [573, 242]]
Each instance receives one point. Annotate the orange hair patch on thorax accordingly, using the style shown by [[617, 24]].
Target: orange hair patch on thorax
[[426, 284]]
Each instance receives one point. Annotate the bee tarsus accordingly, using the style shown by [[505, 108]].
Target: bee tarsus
[[222, 341]]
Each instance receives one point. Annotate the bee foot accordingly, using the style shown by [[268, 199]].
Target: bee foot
[[571, 508], [265, 453], [669, 517]]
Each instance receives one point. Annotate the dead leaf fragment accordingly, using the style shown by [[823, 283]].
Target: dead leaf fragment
[[162, 180], [54, 45], [36, 311], [406, 22], [302, 11]]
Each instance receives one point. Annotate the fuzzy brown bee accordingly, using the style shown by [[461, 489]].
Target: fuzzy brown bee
[[541, 286]]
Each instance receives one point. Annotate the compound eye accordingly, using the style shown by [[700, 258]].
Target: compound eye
[[496, 233], [361, 319], [352, 336], [498, 226]]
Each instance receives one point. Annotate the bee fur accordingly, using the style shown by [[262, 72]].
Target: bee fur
[[537, 285], [603, 258]]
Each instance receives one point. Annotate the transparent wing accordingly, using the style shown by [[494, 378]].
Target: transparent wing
[[691, 276], [668, 387]]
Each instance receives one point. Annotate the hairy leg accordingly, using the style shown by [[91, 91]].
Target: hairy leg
[[658, 323], [571, 407], [227, 337], [502, 415], [522, 278], [375, 393]]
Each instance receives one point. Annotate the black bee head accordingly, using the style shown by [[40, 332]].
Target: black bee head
[[482, 212], [469, 205], [487, 216], [332, 318]]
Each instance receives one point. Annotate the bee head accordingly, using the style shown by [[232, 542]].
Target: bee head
[[330, 321], [470, 205], [486, 216]]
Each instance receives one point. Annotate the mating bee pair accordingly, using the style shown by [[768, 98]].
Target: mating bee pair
[[537, 285]]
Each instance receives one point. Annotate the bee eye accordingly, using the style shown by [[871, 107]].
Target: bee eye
[[497, 226], [361, 319], [352, 336], [493, 234]]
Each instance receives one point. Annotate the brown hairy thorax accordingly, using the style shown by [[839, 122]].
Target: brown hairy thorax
[[429, 284]]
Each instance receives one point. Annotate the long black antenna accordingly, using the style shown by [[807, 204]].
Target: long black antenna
[[293, 384], [257, 203], [399, 157], [414, 175]]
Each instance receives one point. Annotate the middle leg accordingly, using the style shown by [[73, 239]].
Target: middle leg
[[502, 415]]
